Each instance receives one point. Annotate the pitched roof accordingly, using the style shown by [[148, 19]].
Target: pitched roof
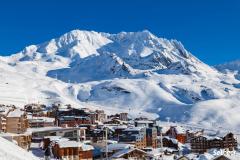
[[221, 157], [117, 146], [121, 153], [15, 113], [133, 129]]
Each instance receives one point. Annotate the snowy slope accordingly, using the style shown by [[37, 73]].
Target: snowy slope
[[230, 67], [135, 72], [10, 151]]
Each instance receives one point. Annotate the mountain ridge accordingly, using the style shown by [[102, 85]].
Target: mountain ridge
[[134, 71]]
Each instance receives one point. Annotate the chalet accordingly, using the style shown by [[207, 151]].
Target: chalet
[[50, 140], [132, 153], [177, 132], [73, 121], [201, 144], [72, 150], [167, 142], [228, 141], [135, 136]]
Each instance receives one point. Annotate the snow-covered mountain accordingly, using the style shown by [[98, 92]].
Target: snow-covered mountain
[[135, 72], [230, 67]]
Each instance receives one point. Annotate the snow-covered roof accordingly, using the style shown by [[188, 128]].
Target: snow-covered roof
[[74, 144], [86, 147], [164, 129], [133, 129], [120, 153], [66, 144], [41, 119], [117, 146], [7, 134], [144, 122], [46, 129], [212, 137], [56, 138], [4, 110], [158, 151], [15, 113], [108, 141], [175, 141], [116, 126], [180, 130]]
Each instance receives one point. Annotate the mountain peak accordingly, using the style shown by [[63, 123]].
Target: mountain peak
[[76, 42], [141, 50], [140, 35]]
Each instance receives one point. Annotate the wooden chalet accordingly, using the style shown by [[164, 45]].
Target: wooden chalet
[[132, 153], [72, 150], [167, 142], [177, 132], [201, 144]]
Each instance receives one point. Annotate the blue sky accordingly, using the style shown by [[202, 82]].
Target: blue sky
[[210, 29]]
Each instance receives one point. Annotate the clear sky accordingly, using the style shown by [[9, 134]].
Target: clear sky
[[210, 29]]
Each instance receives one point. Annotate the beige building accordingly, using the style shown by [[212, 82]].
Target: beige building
[[3, 123], [4, 110], [16, 121], [22, 140], [13, 125]]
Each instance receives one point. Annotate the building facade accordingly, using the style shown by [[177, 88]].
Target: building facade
[[151, 137], [16, 121], [134, 135], [201, 144]]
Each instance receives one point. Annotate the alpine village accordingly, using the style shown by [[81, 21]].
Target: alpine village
[[70, 133]]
